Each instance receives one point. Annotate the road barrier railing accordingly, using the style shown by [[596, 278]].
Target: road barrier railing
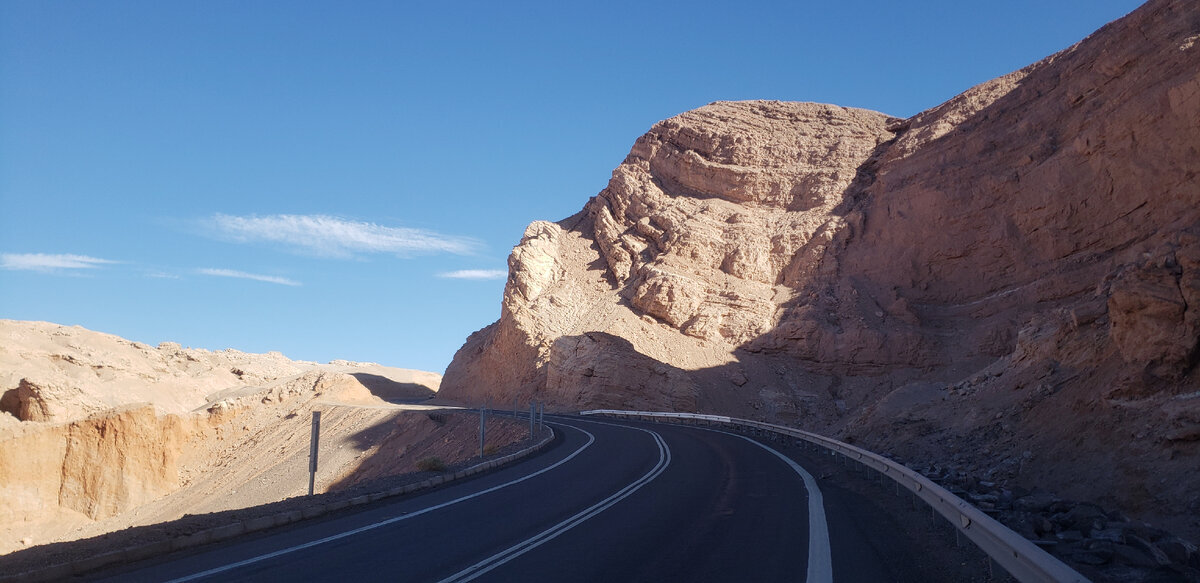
[[1024, 560]]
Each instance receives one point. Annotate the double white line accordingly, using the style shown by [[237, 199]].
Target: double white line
[[470, 573], [229, 567]]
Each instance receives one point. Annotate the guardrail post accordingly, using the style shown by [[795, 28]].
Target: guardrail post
[[482, 429], [312, 451]]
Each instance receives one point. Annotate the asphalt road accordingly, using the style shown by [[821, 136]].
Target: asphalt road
[[609, 501]]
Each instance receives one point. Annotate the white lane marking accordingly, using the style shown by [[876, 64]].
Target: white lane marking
[[820, 562], [470, 573], [252, 560]]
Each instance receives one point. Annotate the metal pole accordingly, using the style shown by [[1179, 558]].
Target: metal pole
[[531, 406], [482, 429], [312, 451]]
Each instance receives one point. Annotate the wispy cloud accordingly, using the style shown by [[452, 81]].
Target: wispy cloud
[[46, 262], [334, 237], [244, 275], [475, 274], [161, 275]]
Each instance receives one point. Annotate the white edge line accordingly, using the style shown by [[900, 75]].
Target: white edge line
[[482, 567], [820, 560], [252, 560]]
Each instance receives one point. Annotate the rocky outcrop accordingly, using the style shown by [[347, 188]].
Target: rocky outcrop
[[1013, 271], [696, 235], [99, 466], [585, 372], [118, 460], [1155, 309], [27, 402]]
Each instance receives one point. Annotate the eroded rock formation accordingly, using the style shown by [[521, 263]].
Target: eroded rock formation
[[93, 426], [1009, 279]]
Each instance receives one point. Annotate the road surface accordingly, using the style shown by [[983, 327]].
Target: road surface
[[609, 501]]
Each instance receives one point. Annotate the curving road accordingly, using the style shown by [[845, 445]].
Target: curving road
[[609, 501]]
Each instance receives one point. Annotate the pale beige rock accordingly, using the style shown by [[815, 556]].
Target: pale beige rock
[[98, 433], [118, 460], [534, 262], [670, 297], [29, 402]]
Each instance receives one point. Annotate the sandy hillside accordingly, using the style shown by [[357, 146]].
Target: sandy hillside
[[63, 373], [98, 433]]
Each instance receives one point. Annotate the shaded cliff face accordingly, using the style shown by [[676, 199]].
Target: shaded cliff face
[[1010, 280]]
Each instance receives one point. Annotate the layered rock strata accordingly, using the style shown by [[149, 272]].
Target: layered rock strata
[[1011, 278]]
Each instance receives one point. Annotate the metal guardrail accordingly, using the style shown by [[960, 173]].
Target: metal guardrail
[[1019, 556]]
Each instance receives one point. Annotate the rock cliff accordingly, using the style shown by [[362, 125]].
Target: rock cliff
[[94, 428], [1010, 280]]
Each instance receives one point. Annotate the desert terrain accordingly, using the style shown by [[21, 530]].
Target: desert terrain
[[99, 434], [1005, 286], [1002, 291]]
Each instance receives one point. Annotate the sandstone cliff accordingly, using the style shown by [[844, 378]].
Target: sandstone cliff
[[1010, 280]]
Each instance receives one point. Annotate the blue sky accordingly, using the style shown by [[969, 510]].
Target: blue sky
[[309, 177]]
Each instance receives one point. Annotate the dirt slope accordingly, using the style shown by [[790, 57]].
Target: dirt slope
[[98, 433]]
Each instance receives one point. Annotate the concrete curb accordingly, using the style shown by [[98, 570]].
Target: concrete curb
[[225, 532]]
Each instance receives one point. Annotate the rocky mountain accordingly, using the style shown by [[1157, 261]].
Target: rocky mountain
[[1008, 282]]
